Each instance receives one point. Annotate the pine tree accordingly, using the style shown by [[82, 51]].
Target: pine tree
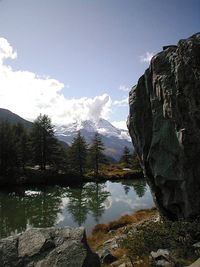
[[22, 142], [44, 143], [96, 156], [8, 151], [78, 154], [126, 157]]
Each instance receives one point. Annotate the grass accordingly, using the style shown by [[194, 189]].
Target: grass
[[119, 171], [103, 232]]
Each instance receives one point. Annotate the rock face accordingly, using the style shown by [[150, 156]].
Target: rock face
[[164, 124], [45, 247]]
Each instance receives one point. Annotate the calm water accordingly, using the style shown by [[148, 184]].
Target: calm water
[[73, 206]]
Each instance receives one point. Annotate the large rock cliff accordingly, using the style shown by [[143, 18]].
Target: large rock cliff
[[164, 124]]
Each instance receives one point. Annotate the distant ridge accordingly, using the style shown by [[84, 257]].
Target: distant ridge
[[7, 115]]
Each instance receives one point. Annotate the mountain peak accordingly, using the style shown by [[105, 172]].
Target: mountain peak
[[101, 126], [113, 138]]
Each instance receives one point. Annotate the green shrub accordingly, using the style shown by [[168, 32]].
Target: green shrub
[[177, 237]]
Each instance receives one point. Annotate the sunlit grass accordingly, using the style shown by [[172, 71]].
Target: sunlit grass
[[103, 232]]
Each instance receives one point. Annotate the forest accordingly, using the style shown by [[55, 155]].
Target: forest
[[37, 150]]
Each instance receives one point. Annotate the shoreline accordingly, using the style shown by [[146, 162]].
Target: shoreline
[[50, 178]]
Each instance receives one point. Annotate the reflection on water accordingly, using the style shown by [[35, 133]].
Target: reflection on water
[[74, 206], [139, 187]]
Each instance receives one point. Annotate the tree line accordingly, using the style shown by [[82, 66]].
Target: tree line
[[21, 147], [38, 148]]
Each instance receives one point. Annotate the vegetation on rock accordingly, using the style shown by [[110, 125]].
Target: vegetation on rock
[[139, 234]]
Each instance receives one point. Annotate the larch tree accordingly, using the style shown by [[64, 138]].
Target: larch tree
[[78, 154], [126, 157], [96, 156]]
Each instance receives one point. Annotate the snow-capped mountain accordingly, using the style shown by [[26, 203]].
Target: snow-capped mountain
[[114, 139]]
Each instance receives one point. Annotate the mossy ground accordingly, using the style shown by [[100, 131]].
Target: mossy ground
[[117, 172], [144, 232]]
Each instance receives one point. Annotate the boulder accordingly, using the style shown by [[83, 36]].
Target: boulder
[[164, 124], [44, 247]]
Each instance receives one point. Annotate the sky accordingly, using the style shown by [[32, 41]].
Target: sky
[[78, 59]]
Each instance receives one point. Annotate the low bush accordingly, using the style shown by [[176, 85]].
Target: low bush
[[177, 237]]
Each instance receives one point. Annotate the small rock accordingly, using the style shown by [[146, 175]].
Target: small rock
[[195, 264], [196, 245], [162, 258], [107, 257], [114, 246], [160, 253]]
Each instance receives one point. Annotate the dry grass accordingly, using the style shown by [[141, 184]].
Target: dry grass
[[119, 252], [104, 232], [116, 170]]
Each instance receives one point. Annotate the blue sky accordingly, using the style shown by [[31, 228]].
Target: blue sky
[[76, 59]]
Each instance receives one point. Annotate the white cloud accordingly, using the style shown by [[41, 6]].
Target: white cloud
[[124, 88], [147, 57], [121, 103], [120, 124], [28, 95], [6, 50]]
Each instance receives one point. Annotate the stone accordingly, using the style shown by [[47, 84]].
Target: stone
[[44, 247], [33, 241], [196, 245], [164, 124], [162, 258], [195, 264], [107, 257], [8, 251], [160, 253]]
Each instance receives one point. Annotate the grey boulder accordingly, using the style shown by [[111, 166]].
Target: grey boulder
[[44, 247]]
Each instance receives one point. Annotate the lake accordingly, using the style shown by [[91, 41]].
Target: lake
[[87, 205]]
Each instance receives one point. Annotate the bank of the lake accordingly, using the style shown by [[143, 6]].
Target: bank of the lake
[[32, 176], [144, 239]]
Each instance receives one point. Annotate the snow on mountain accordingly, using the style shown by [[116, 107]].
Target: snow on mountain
[[114, 139], [102, 126]]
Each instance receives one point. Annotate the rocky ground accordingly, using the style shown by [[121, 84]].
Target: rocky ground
[[140, 240]]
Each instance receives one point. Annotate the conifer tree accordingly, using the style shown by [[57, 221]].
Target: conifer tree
[[8, 153], [22, 143], [44, 143], [126, 157], [96, 156], [78, 154]]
